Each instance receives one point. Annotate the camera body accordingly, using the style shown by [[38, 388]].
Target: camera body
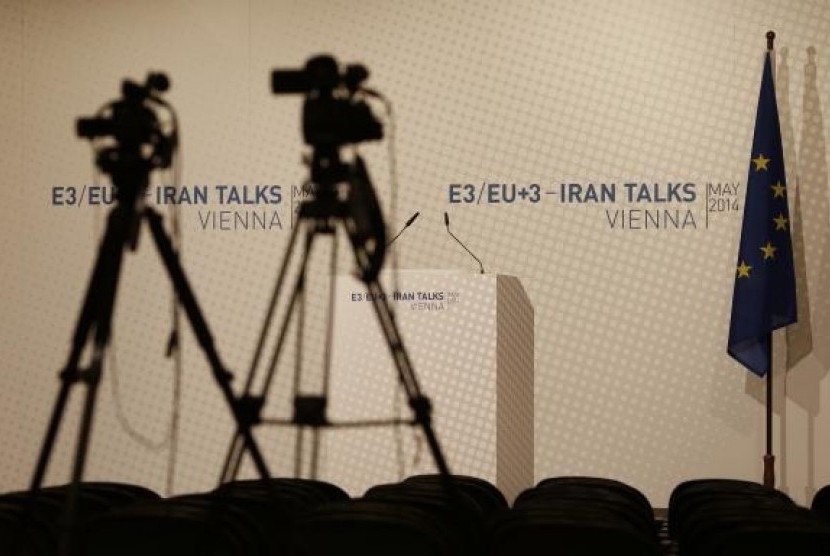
[[133, 126], [332, 115]]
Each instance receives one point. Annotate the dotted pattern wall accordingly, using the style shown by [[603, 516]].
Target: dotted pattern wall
[[632, 380]]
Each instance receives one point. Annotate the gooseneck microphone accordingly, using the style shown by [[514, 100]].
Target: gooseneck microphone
[[409, 222], [447, 222]]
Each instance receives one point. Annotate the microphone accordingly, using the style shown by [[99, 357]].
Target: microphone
[[447, 223], [409, 222]]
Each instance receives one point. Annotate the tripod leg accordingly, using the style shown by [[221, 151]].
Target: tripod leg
[[103, 324], [299, 285], [203, 335], [297, 295], [232, 466], [298, 451], [417, 401], [93, 378], [269, 315], [316, 433], [67, 379], [110, 245], [234, 459]]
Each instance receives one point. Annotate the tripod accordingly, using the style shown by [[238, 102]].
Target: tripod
[[134, 126], [343, 198]]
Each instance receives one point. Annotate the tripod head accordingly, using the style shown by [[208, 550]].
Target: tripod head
[[135, 141]]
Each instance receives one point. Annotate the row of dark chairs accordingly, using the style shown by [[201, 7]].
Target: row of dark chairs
[[245, 517], [715, 517], [423, 515], [578, 515], [821, 504], [33, 525]]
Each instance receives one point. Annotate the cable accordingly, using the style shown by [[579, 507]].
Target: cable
[[174, 343], [173, 346], [132, 432], [393, 217], [121, 415]]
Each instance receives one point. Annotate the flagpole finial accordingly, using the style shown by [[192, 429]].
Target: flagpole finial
[[770, 39]]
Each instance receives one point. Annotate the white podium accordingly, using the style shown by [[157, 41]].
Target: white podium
[[470, 338]]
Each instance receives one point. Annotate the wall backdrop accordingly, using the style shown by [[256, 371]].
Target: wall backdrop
[[596, 150]]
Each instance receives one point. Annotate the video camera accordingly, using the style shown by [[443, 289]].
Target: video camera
[[332, 114], [133, 125]]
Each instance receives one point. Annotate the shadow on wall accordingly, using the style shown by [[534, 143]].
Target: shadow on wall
[[796, 342], [809, 363], [799, 336]]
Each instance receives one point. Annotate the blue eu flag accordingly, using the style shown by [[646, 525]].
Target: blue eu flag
[[764, 295]]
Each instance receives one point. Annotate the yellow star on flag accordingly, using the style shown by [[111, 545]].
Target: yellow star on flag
[[743, 270], [780, 222], [769, 250], [760, 162], [778, 190]]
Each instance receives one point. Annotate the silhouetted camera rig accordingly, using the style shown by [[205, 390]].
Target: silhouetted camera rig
[[129, 142], [334, 115]]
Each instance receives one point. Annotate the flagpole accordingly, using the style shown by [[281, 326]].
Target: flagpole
[[769, 457]]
